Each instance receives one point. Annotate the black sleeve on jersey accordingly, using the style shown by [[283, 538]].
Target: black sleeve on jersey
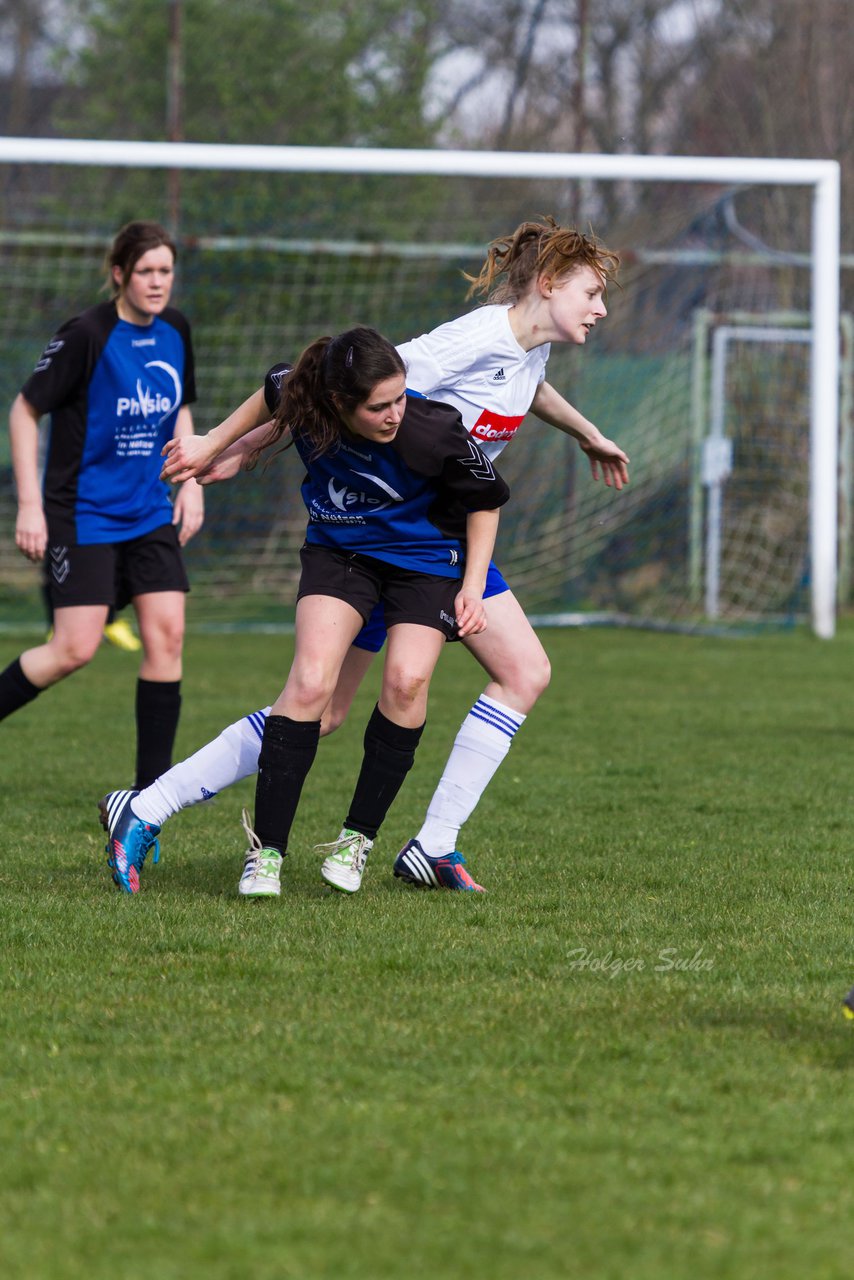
[[273, 385], [182, 324], [67, 363], [471, 479], [434, 442]]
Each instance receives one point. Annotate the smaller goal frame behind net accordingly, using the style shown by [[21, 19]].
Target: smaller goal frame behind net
[[822, 177]]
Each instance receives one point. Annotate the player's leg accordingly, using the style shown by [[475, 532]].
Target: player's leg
[[513, 657], [391, 739], [79, 587], [233, 754], [355, 667], [152, 576], [74, 642], [325, 629], [229, 757], [415, 606], [160, 615]]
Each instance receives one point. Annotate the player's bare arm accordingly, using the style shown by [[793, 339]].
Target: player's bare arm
[[605, 456], [188, 509], [188, 455], [237, 456], [481, 531], [30, 524]]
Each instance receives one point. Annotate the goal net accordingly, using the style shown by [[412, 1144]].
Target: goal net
[[269, 259]]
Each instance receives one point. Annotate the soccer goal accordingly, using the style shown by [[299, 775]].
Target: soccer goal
[[280, 244], [747, 479]]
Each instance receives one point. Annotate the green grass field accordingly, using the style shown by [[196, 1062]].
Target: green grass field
[[627, 1061]]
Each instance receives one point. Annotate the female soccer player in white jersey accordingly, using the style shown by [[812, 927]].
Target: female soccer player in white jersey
[[403, 510], [545, 284], [117, 381]]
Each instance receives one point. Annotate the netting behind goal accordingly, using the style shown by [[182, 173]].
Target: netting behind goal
[[269, 261]]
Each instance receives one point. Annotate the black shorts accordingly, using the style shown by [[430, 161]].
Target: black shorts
[[112, 573], [423, 598]]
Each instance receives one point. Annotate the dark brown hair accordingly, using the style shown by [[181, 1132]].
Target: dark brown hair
[[129, 244], [332, 374]]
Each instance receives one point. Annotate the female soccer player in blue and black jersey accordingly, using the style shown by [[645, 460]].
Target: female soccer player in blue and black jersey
[[117, 381], [403, 510]]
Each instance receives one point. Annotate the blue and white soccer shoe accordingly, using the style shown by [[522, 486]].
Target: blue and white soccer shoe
[[416, 867], [128, 839]]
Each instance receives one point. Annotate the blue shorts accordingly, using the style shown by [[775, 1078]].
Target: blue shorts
[[373, 633]]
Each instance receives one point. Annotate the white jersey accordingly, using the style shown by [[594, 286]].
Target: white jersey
[[475, 364]]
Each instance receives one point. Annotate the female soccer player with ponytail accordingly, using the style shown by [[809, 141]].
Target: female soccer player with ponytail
[[402, 510]]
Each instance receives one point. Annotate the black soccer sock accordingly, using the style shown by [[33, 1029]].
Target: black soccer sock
[[158, 706], [389, 755], [288, 749], [15, 689]]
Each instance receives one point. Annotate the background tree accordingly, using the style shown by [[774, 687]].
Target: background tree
[[263, 71]]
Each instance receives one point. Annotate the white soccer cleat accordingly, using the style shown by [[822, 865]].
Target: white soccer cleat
[[345, 862]]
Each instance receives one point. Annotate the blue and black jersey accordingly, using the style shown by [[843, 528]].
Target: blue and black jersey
[[405, 502], [113, 390]]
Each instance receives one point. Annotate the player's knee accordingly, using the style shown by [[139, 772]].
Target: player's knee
[[172, 640], [72, 654], [540, 677], [164, 645], [527, 681], [310, 689], [403, 689]]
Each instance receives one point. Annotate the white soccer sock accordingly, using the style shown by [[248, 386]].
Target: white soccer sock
[[480, 746], [231, 756]]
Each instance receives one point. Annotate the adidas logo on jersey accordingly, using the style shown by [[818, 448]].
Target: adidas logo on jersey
[[499, 376]]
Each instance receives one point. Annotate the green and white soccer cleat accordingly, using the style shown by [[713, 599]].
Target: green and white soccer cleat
[[262, 867], [345, 861]]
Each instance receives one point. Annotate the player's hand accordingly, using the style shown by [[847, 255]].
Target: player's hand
[[185, 457], [607, 459], [226, 465], [31, 530], [188, 511], [470, 613]]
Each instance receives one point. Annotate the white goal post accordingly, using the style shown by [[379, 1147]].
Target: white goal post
[[822, 177]]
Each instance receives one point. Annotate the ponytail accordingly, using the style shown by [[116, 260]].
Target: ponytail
[[330, 375]]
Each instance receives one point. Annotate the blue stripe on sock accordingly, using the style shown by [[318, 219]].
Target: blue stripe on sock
[[258, 720], [497, 719]]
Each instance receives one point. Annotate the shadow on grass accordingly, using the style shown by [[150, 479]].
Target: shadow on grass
[[820, 1029]]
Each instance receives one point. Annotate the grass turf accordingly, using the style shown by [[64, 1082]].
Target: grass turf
[[627, 1060]]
